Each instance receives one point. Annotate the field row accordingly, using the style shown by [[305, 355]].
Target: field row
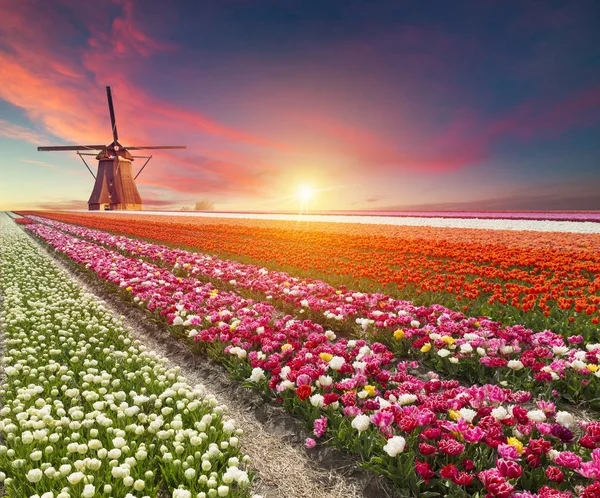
[[586, 223], [89, 412], [469, 348], [540, 280], [426, 434]]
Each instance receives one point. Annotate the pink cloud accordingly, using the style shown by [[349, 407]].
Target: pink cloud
[[449, 149], [466, 139], [39, 163], [546, 119], [126, 37], [201, 174], [17, 132], [62, 205], [161, 203]]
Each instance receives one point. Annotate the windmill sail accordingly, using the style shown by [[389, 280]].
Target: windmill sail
[[111, 109], [153, 147], [71, 147]]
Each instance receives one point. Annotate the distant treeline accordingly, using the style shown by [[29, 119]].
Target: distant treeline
[[200, 206]]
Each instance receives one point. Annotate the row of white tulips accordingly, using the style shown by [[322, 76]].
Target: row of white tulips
[[86, 410]]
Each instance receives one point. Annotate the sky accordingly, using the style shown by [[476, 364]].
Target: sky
[[371, 104]]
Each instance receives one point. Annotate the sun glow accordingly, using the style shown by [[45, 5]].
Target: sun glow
[[305, 193]]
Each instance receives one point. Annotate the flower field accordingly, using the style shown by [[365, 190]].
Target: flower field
[[539, 280], [437, 399], [484, 421], [89, 412], [448, 341]]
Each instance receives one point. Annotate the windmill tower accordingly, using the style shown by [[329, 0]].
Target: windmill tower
[[115, 187]]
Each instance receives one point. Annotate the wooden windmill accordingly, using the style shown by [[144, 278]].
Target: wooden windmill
[[115, 187]]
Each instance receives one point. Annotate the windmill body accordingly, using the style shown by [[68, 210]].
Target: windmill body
[[114, 188]]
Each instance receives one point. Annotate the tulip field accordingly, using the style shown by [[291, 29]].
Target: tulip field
[[89, 412], [542, 280], [453, 362]]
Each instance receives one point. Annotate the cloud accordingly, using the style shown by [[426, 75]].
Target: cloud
[[39, 163], [62, 205], [151, 202], [195, 174], [544, 118], [526, 202], [17, 132], [466, 139], [447, 149], [369, 200], [126, 37]]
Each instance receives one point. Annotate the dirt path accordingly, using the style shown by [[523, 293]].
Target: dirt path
[[272, 438]]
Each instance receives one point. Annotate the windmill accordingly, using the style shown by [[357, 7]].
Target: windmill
[[115, 187]]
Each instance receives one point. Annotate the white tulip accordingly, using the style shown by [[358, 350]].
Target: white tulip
[[75, 478], [394, 445], [361, 422], [536, 416], [89, 490], [565, 419], [34, 475], [336, 362], [515, 365]]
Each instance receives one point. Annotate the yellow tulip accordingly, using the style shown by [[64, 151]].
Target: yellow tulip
[[453, 414], [370, 390], [399, 334], [518, 445]]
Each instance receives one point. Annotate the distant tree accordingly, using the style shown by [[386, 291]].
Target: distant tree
[[204, 206]]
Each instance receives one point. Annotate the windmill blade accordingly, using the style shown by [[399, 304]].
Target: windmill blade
[[148, 147], [72, 147], [111, 108]]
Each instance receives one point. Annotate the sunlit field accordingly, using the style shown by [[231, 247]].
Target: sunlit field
[[449, 361]]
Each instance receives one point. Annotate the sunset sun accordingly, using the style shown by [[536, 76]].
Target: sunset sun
[[305, 193]]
